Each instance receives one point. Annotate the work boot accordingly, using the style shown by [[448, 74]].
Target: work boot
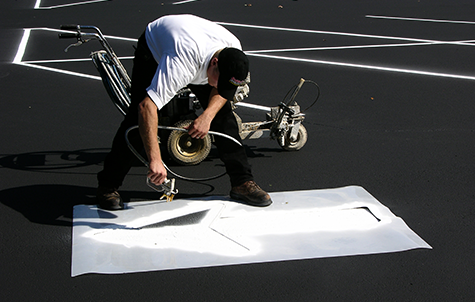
[[109, 199], [252, 194]]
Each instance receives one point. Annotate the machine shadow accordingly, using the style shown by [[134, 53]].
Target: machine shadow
[[46, 161], [59, 161]]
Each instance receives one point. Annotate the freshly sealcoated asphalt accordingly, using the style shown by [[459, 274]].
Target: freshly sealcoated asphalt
[[405, 133]]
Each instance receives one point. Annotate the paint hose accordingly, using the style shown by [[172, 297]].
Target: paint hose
[[145, 162]]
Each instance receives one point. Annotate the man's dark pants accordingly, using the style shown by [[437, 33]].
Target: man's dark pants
[[119, 161]]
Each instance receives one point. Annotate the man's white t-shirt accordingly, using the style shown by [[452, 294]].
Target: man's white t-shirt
[[183, 46]]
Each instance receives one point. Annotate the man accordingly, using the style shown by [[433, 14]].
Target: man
[[175, 52]]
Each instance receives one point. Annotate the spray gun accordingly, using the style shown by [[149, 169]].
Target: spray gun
[[167, 187]]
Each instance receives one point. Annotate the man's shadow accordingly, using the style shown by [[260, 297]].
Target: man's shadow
[[53, 204], [47, 204]]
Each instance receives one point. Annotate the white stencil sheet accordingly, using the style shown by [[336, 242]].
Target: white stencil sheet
[[213, 231]]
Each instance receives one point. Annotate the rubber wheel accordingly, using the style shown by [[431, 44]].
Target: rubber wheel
[[186, 150], [298, 143]]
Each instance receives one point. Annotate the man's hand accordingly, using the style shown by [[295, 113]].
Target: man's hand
[[200, 127], [157, 172]]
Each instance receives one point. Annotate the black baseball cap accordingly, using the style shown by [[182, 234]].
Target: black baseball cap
[[233, 66]]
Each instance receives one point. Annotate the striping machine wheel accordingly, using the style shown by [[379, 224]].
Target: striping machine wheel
[[186, 150], [297, 144]]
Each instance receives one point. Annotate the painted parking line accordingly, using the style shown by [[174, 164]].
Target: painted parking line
[[372, 67], [38, 4], [183, 2], [18, 60], [312, 31], [261, 53], [419, 19]]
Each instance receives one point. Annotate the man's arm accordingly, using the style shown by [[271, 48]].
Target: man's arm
[[148, 121], [200, 126]]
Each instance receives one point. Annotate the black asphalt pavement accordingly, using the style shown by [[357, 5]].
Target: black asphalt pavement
[[395, 119]]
